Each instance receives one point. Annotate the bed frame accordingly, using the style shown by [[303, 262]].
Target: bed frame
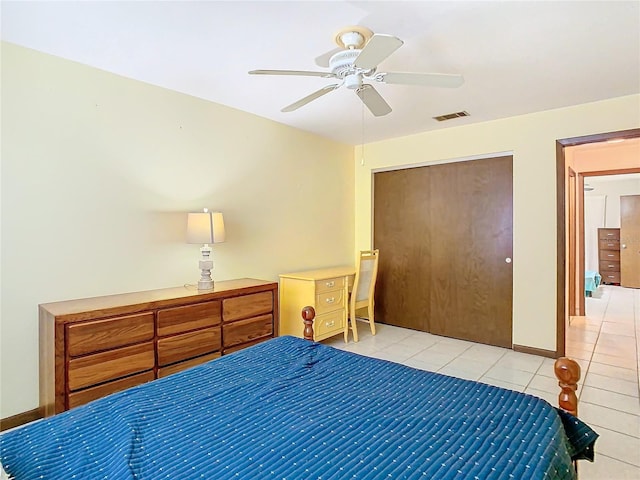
[[567, 371]]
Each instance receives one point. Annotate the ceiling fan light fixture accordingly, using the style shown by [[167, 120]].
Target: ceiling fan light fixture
[[353, 81]]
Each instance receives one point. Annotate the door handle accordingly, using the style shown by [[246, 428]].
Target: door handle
[[508, 259], [624, 245]]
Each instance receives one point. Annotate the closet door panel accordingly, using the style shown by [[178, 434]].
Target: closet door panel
[[471, 240], [401, 232]]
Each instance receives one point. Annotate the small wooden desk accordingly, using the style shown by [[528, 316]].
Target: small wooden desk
[[326, 290]]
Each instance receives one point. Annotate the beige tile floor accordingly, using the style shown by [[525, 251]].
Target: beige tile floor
[[605, 343]]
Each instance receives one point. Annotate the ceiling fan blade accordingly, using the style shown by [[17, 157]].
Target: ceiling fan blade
[[378, 48], [303, 73], [309, 98], [323, 60], [373, 100], [426, 79]]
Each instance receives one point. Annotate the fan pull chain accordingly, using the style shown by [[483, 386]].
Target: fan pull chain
[[362, 136]]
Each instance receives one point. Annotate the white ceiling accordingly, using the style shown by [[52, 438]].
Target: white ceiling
[[517, 57]]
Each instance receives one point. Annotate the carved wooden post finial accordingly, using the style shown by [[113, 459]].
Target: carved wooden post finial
[[568, 373], [308, 314]]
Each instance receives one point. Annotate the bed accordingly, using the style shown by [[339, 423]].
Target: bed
[[289, 408]]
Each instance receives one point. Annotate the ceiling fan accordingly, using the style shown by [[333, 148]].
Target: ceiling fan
[[355, 62]]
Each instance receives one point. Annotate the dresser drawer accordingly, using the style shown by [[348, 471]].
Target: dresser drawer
[[329, 301], [609, 255], [247, 330], [247, 306], [245, 345], [609, 233], [102, 367], [611, 266], [178, 367], [610, 277], [188, 345], [190, 317], [90, 337], [329, 284], [328, 324], [612, 244], [85, 396]]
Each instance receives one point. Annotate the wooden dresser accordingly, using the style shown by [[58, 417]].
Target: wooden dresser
[[92, 347], [609, 255], [326, 290]]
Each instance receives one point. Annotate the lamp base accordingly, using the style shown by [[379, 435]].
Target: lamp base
[[205, 264], [205, 284]]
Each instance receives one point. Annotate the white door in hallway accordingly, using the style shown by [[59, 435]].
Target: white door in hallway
[[630, 241]]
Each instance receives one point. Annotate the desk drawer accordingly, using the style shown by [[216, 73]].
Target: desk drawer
[[329, 324], [610, 277], [329, 301], [329, 284]]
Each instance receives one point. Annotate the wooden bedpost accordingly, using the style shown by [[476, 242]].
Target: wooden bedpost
[[308, 314], [568, 373]]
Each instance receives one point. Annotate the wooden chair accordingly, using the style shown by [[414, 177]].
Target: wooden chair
[[361, 295]]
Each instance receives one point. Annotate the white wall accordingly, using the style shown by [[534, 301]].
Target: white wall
[[98, 172], [532, 139], [613, 187]]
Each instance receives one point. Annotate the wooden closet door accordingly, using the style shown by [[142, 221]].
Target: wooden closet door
[[471, 250], [401, 232], [444, 234], [630, 241]]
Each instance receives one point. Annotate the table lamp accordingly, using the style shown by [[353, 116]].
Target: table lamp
[[205, 228]]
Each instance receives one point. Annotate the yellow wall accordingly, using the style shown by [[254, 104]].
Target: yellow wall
[[98, 172], [532, 139]]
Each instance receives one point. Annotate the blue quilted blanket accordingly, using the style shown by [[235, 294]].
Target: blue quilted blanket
[[292, 409]]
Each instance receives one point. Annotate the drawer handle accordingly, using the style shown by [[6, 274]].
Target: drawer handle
[[330, 324], [330, 300], [610, 276], [609, 255], [609, 244], [611, 266], [610, 234], [330, 284]]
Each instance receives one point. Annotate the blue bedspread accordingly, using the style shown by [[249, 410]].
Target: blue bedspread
[[292, 409]]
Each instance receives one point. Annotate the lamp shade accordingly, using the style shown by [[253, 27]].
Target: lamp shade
[[205, 227]]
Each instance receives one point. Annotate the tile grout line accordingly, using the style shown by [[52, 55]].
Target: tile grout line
[[595, 345]]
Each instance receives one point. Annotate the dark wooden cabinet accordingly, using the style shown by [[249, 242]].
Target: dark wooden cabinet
[[93, 347], [609, 255]]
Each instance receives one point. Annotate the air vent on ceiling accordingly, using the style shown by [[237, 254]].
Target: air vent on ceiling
[[450, 116]]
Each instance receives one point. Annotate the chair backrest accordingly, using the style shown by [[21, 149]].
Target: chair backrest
[[366, 272]]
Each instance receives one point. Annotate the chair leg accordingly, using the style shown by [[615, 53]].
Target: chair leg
[[371, 322], [354, 325], [346, 329]]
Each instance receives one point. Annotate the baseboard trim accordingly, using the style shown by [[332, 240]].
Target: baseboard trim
[[20, 419], [535, 351]]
